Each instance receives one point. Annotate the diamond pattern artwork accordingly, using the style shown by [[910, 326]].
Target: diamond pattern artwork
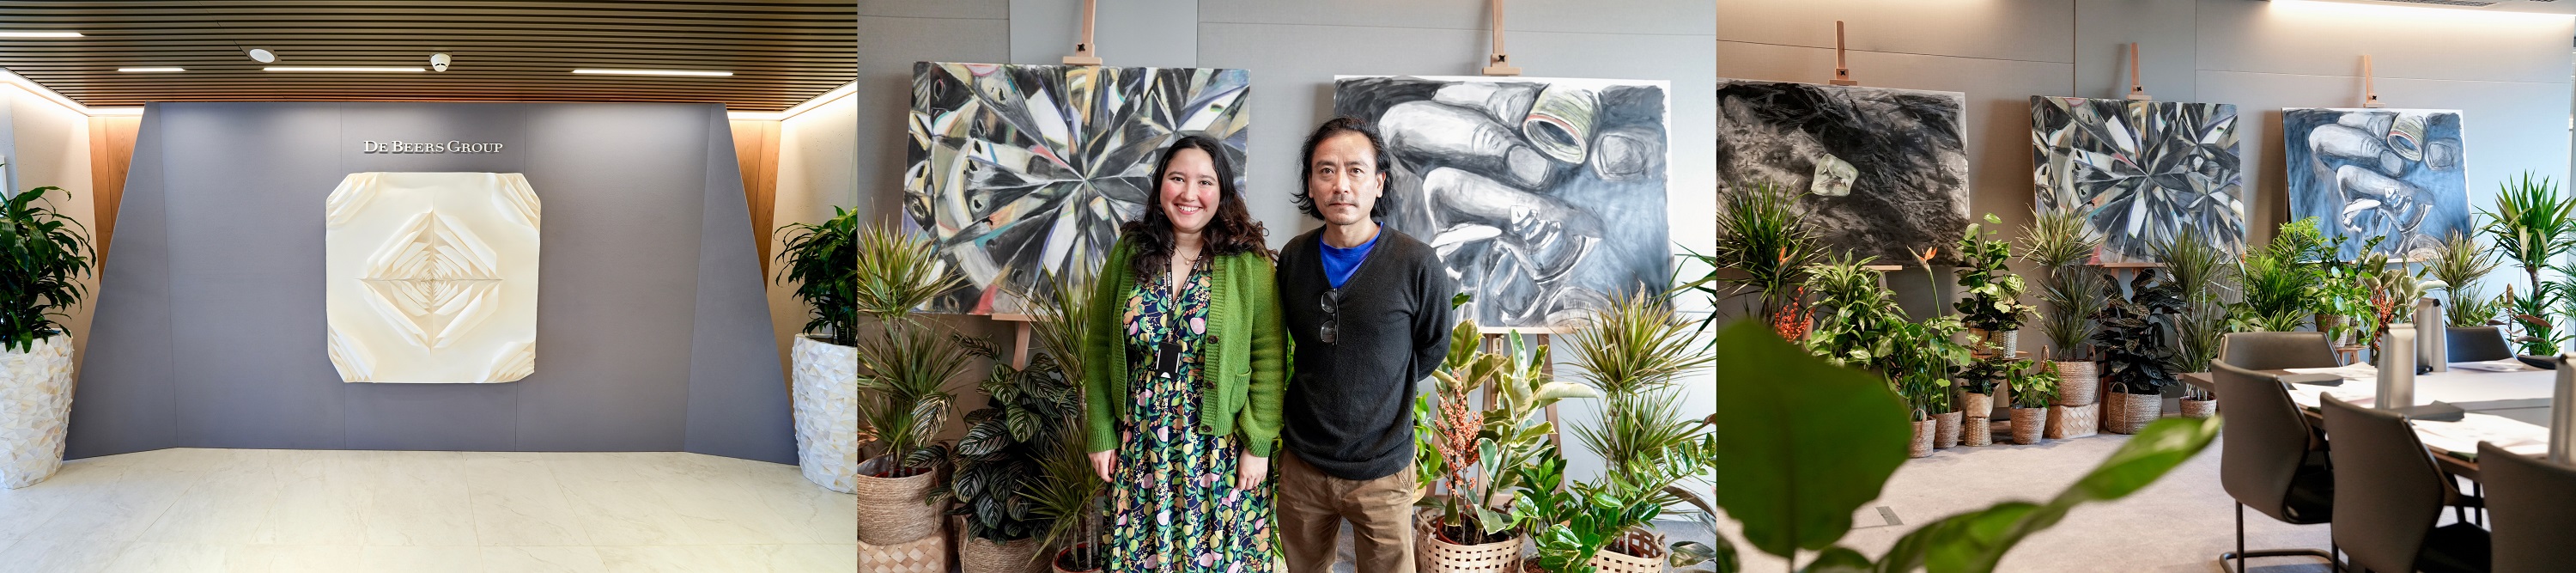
[[2141, 172], [1020, 172], [432, 277]]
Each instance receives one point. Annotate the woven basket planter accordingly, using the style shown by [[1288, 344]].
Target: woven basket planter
[[1977, 405], [1945, 431], [1608, 561], [2072, 421], [2135, 411], [1923, 431], [1498, 557], [928, 554], [2027, 423], [894, 511], [2114, 409], [976, 555], [2077, 382], [2199, 408], [1977, 431]]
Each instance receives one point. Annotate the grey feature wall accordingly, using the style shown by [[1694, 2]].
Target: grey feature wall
[[653, 332]]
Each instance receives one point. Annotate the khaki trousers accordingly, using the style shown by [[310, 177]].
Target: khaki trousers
[[1313, 505]]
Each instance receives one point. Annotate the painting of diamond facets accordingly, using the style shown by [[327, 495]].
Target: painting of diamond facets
[[1544, 197], [1021, 173], [2141, 171], [1881, 172], [2364, 173], [432, 277]]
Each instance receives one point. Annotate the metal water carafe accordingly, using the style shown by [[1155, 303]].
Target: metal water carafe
[[2397, 368], [2433, 347]]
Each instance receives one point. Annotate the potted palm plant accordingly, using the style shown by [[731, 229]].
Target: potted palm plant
[[904, 369], [2033, 391], [1633, 353], [1763, 238], [1993, 310], [817, 258], [2533, 224], [2203, 280], [2060, 245], [43, 254], [1471, 529]]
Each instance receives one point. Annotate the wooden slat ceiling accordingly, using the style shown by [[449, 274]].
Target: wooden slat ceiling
[[781, 53]]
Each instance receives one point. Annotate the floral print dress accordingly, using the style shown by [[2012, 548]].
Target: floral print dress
[[1174, 505]]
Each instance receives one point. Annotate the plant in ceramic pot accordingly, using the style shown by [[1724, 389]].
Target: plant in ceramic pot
[[904, 367], [2204, 280], [1769, 246], [2137, 349], [1479, 447], [1992, 311], [999, 462], [1807, 444], [2034, 389], [2534, 225], [2071, 293], [2280, 280], [43, 254], [818, 258]]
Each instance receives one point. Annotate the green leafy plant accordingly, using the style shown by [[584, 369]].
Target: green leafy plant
[[2460, 263], [2280, 279], [905, 368], [1808, 443], [821, 259], [1572, 523], [2137, 349], [2203, 280], [1920, 359], [1852, 312], [1478, 449], [1769, 245], [1632, 353], [1000, 459], [2530, 313], [2033, 386], [1993, 302], [43, 254], [2533, 224], [2060, 245], [2345, 291], [1066, 495]]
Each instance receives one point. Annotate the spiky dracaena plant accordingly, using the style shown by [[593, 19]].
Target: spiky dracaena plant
[[43, 254], [2460, 263], [1633, 352], [2204, 281], [820, 259], [905, 368], [1761, 234], [2533, 224], [2060, 245]]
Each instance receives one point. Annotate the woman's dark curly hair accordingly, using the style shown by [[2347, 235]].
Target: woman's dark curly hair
[[1233, 231]]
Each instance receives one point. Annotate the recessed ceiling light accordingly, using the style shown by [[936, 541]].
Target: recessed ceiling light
[[151, 69], [335, 69], [36, 34], [262, 55], [655, 72]]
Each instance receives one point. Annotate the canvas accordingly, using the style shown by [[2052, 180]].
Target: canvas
[[432, 277], [2363, 173], [1021, 173], [1544, 197], [2140, 171], [1881, 172]]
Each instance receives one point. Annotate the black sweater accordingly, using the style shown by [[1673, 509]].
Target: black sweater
[[1349, 407]]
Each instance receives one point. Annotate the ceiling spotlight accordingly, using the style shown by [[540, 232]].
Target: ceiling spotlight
[[438, 62], [36, 34], [655, 72], [262, 55], [151, 69]]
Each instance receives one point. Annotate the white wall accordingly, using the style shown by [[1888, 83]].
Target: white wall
[[47, 144], [818, 153]]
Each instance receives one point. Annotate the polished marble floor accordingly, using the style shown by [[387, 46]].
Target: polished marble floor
[[193, 510]]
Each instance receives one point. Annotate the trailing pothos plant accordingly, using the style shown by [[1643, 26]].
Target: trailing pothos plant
[[1807, 444], [1478, 449], [1001, 459], [43, 254], [2136, 341], [821, 259], [905, 367], [1993, 302]]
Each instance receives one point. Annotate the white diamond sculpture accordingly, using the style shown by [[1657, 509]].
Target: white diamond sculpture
[[432, 277]]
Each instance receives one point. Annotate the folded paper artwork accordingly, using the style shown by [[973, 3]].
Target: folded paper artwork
[[432, 277]]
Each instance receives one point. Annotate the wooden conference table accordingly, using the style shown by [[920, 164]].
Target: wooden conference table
[[2521, 396]]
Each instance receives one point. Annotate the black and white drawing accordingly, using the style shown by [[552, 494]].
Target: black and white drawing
[[2364, 173], [1025, 172], [1881, 172], [1545, 197], [2141, 171]]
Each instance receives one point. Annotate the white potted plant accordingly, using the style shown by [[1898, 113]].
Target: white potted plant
[[819, 259], [42, 254]]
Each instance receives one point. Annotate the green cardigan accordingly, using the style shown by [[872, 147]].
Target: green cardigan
[[1248, 351]]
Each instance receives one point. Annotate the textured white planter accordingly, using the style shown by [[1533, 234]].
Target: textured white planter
[[35, 407], [827, 414]]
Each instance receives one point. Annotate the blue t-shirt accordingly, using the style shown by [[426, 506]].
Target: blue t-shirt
[[1339, 262]]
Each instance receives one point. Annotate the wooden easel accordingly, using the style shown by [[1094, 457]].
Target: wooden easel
[[1842, 68], [1499, 63], [1083, 55], [2369, 92]]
